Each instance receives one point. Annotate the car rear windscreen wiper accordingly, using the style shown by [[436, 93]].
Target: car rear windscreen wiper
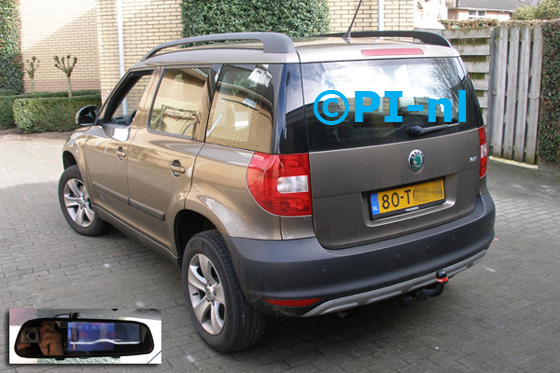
[[419, 131]]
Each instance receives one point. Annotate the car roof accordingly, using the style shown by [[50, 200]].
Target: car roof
[[331, 49], [304, 50]]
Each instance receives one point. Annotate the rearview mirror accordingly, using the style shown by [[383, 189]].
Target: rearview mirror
[[68, 338], [87, 115]]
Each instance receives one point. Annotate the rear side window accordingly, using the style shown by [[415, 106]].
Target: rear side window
[[179, 101], [242, 114], [418, 80]]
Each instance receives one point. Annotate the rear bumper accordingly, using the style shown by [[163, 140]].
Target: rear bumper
[[347, 278]]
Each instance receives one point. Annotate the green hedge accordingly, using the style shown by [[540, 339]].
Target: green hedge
[[292, 17], [7, 102], [549, 120], [545, 9], [50, 114], [11, 63], [7, 92]]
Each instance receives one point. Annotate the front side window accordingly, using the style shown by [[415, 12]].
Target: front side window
[[125, 100], [178, 102], [242, 111]]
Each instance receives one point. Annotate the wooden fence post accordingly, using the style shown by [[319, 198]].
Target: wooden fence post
[[499, 91], [534, 96], [523, 86], [511, 101]]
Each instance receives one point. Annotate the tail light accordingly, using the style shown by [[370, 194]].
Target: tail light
[[483, 150], [280, 183]]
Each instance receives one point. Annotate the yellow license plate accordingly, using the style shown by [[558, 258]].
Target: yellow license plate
[[407, 199]]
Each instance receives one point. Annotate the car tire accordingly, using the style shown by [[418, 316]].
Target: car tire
[[76, 204], [217, 307]]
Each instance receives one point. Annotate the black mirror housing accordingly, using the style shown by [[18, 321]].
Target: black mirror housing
[[62, 338], [87, 116]]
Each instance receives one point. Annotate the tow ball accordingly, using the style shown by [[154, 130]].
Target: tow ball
[[431, 291]]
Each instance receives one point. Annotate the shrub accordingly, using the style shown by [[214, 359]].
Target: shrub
[[292, 17], [7, 92], [546, 9], [50, 114], [11, 72], [549, 120], [7, 102]]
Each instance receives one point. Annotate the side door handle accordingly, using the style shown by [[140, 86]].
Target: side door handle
[[176, 168], [120, 153]]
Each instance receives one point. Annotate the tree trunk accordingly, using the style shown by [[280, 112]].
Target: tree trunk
[[69, 87]]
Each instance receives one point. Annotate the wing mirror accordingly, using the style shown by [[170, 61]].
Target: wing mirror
[[87, 115], [68, 338]]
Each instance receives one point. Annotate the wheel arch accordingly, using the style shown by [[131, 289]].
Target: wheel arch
[[187, 224], [68, 159]]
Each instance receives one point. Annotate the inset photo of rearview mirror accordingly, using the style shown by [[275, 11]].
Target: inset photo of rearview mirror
[[85, 336]]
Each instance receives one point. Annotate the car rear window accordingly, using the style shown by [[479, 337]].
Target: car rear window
[[242, 114], [417, 80]]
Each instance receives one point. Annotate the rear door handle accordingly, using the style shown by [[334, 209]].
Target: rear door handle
[[120, 153], [176, 168]]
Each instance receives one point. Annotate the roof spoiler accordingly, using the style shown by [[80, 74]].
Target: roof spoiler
[[272, 42], [425, 37]]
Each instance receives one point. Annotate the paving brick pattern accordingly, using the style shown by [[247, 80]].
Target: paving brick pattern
[[501, 315]]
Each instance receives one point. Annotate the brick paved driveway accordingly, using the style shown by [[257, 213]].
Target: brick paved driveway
[[501, 315]]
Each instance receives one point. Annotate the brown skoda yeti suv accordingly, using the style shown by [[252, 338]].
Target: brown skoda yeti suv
[[289, 177]]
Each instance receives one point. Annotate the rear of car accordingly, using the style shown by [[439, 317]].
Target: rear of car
[[378, 182]]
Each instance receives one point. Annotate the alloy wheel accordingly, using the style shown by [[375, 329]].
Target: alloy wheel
[[206, 294], [77, 203]]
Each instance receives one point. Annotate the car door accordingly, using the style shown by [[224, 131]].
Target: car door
[[162, 153], [107, 145]]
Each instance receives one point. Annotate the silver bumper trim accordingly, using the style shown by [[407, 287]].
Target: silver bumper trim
[[356, 300]]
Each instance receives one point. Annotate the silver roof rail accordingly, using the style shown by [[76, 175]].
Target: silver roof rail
[[425, 37], [272, 42]]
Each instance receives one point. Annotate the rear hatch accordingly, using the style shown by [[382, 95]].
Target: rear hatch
[[385, 159]]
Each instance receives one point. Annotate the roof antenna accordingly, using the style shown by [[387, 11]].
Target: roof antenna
[[347, 36]]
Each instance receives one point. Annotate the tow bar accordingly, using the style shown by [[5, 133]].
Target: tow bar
[[432, 291]]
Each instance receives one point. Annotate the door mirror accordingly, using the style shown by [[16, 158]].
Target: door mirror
[[68, 338], [87, 115]]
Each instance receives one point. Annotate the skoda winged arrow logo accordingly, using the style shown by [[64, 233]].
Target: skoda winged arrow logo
[[416, 160]]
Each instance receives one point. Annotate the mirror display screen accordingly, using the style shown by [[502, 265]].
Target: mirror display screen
[[101, 336]]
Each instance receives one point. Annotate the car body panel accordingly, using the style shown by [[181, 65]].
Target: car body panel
[[304, 269], [107, 170], [342, 215], [219, 191], [156, 193]]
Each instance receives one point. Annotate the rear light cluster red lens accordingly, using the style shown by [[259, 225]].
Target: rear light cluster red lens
[[483, 150], [280, 183]]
